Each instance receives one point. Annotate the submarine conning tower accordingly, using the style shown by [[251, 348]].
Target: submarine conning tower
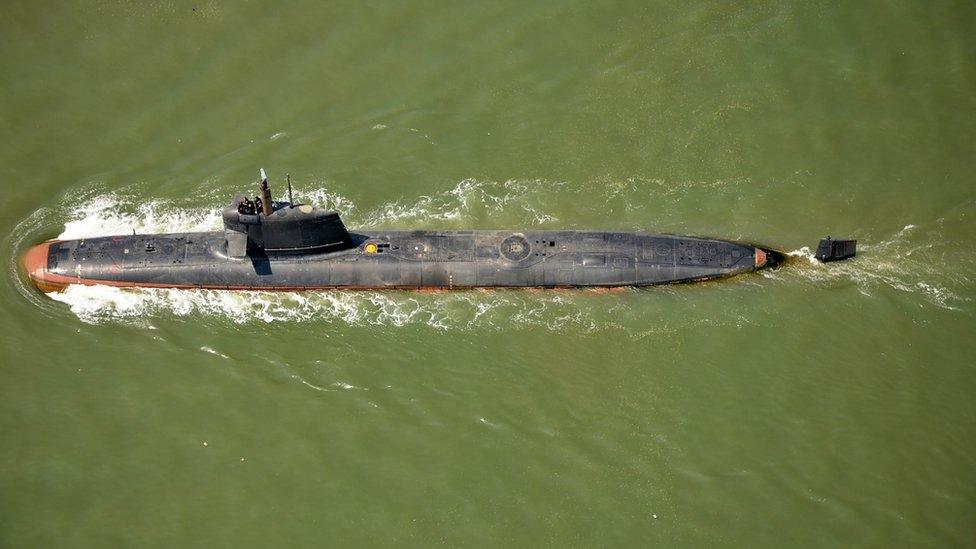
[[281, 227]]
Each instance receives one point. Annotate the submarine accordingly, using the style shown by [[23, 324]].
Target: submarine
[[277, 245]]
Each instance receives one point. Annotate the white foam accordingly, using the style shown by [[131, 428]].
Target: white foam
[[329, 201], [316, 387], [805, 253], [213, 352], [110, 214], [440, 311], [901, 262], [469, 200]]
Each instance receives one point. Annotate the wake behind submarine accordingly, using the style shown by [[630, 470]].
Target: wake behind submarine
[[269, 245]]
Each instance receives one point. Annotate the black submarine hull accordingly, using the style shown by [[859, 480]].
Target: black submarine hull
[[409, 260]]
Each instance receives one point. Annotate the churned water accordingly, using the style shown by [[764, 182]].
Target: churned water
[[813, 405]]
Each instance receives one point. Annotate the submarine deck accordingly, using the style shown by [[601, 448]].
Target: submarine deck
[[394, 260]]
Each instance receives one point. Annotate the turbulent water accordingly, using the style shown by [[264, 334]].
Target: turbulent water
[[811, 405]]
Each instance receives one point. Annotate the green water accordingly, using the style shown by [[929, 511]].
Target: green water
[[810, 406]]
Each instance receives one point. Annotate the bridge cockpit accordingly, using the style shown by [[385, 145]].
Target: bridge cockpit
[[262, 226]]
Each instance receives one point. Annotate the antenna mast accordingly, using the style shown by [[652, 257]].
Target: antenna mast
[[266, 206]]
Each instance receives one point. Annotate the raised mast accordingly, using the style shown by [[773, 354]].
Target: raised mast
[[267, 208]]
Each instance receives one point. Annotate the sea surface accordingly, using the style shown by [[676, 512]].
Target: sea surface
[[809, 406]]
